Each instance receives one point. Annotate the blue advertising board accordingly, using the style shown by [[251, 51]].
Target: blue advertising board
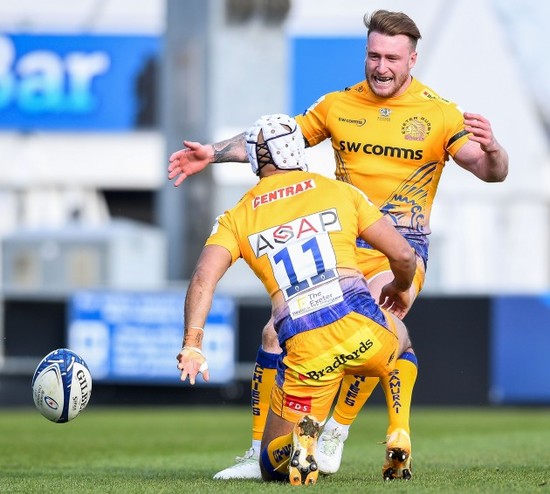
[[73, 83], [520, 337], [134, 337]]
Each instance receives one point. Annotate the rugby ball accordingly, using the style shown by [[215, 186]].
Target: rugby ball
[[61, 385]]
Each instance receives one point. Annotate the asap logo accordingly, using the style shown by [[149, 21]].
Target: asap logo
[[301, 228]]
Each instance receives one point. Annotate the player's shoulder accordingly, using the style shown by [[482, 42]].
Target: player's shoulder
[[346, 92], [339, 185], [423, 92]]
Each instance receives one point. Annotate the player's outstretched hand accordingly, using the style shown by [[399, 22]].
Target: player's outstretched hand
[[192, 362], [189, 160]]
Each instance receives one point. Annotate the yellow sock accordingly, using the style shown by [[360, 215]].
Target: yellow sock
[[354, 392], [276, 456], [398, 388], [263, 380]]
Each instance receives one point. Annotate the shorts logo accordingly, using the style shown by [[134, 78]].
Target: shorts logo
[[298, 403], [340, 360]]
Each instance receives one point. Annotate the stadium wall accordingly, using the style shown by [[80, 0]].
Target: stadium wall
[[464, 346]]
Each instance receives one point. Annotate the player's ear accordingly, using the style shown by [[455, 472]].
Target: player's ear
[[412, 59]]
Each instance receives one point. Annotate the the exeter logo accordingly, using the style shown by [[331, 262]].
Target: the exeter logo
[[340, 360], [283, 193], [416, 128], [300, 228]]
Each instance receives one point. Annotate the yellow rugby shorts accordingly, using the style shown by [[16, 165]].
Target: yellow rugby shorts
[[315, 362], [372, 262]]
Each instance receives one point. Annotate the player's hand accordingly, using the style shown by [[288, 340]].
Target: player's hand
[[189, 160], [396, 301], [480, 131], [192, 362]]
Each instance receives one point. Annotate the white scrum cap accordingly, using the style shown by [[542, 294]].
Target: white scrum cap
[[283, 143]]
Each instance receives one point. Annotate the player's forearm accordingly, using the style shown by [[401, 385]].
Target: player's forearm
[[198, 302], [230, 150], [403, 269], [494, 164]]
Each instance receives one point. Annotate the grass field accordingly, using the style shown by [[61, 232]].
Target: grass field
[[177, 450]]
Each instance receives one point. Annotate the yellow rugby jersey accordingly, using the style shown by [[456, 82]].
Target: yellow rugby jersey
[[292, 228], [393, 149]]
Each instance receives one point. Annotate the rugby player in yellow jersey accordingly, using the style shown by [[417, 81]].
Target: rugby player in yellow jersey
[[391, 136], [297, 231]]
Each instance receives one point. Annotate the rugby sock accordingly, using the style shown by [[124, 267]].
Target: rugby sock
[[276, 455], [398, 388], [263, 380], [354, 392]]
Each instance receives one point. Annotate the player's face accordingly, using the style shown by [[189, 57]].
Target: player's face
[[388, 64]]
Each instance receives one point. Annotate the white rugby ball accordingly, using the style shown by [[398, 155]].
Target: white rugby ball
[[61, 385]]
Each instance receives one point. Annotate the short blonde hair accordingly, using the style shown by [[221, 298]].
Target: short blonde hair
[[392, 24]]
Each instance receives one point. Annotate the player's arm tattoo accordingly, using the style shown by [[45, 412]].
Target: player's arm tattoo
[[231, 150]]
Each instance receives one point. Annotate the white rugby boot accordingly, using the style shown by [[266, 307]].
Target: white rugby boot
[[245, 467], [330, 448]]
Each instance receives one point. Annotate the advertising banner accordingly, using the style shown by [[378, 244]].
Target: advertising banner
[[134, 337]]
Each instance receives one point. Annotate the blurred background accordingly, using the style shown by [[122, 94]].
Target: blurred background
[[97, 244]]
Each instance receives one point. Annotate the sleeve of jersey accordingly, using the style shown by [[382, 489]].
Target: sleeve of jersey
[[458, 136], [224, 236], [313, 122], [367, 212]]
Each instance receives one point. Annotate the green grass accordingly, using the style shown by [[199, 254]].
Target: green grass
[[177, 450]]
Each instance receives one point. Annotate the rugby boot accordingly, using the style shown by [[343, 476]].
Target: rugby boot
[[398, 464], [246, 467], [330, 449], [302, 468]]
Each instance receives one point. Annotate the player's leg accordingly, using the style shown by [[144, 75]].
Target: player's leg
[[398, 460], [289, 449], [356, 390], [263, 379], [301, 400]]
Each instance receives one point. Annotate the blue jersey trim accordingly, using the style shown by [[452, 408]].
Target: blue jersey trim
[[420, 243], [357, 298]]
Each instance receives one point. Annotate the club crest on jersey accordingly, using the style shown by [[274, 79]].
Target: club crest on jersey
[[283, 193], [416, 128], [301, 228]]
